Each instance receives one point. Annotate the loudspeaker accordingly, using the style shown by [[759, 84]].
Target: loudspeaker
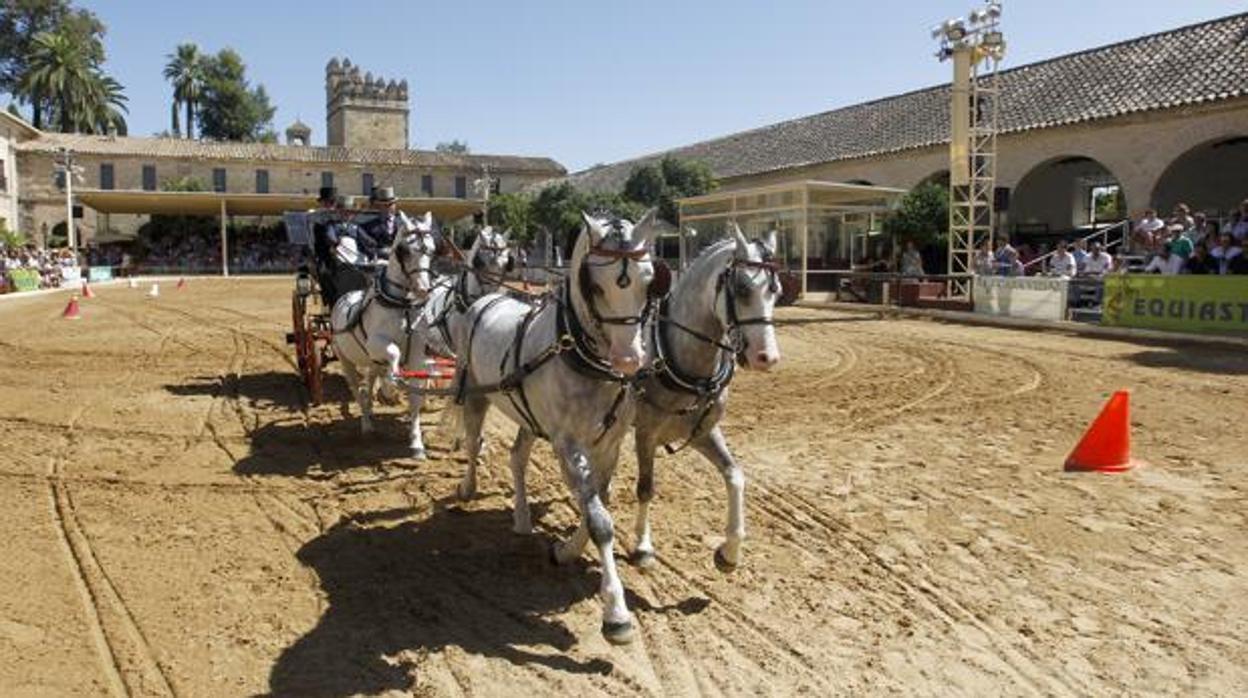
[[1001, 199]]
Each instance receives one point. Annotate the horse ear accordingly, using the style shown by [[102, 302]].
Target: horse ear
[[743, 245], [596, 231], [770, 241], [428, 220], [506, 237], [646, 228]]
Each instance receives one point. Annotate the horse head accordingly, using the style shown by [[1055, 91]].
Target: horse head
[[413, 251], [615, 280], [490, 258], [751, 288]]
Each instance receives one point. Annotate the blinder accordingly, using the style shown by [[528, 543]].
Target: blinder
[[661, 284], [510, 266]]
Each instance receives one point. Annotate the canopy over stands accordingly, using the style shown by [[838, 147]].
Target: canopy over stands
[[223, 205], [822, 225]]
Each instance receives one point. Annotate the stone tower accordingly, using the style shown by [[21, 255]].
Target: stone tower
[[298, 133], [363, 111]]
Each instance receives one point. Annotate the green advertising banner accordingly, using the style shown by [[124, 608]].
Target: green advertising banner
[[24, 279], [1216, 304]]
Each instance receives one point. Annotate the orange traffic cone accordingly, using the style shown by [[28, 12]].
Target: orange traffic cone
[[1106, 446], [86, 291], [181, 283], [71, 310]]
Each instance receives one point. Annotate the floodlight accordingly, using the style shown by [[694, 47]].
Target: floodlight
[[994, 9], [955, 29], [978, 17], [993, 39]]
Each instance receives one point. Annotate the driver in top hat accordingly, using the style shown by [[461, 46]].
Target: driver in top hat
[[383, 229]]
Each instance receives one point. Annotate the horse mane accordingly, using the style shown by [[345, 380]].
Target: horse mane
[[703, 259]]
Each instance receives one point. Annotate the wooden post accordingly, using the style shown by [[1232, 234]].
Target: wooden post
[[225, 246], [804, 231]]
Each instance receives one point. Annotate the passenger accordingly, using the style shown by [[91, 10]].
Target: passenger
[[380, 232]]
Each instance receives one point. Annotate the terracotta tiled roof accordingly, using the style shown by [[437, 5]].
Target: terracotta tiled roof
[[252, 152], [1205, 62]]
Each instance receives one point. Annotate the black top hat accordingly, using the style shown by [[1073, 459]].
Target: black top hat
[[384, 195], [327, 194]]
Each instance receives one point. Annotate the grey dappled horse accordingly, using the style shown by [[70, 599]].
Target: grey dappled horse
[[560, 369], [485, 265], [370, 327], [719, 312]]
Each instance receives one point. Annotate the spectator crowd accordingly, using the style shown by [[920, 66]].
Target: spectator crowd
[[48, 264], [1185, 243]]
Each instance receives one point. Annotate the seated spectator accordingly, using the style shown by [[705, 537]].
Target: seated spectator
[[1080, 253], [1226, 252], [1143, 236], [1200, 262], [1100, 262], [1197, 233], [1180, 242], [1165, 262], [1238, 227], [1006, 254], [1182, 217], [1063, 263], [1013, 265]]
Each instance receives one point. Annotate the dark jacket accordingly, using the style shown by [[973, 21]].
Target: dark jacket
[[1206, 265]]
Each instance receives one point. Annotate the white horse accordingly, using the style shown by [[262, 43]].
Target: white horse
[[720, 312], [485, 265], [371, 327], [560, 369]]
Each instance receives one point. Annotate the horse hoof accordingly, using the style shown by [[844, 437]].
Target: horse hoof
[[644, 559], [464, 493], [721, 562], [619, 633], [523, 528], [419, 454]]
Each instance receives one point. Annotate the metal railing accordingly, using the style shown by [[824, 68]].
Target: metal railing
[[1123, 226]]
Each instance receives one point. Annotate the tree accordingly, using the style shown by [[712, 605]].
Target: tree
[[662, 185], [453, 147], [922, 216], [185, 71], [21, 21], [229, 108], [513, 212], [63, 76]]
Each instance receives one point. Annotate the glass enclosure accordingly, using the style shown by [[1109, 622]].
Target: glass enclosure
[[822, 226]]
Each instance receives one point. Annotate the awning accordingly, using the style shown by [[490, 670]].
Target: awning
[[206, 203]]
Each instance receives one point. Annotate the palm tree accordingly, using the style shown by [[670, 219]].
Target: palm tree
[[76, 95], [185, 71]]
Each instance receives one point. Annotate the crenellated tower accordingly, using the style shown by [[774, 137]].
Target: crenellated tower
[[363, 111]]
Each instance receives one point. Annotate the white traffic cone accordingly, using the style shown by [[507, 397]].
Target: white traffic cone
[[133, 282], [154, 291]]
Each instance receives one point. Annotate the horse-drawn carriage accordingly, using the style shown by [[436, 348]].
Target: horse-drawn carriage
[[313, 298]]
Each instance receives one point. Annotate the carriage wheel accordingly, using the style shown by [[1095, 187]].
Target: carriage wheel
[[299, 309], [314, 376]]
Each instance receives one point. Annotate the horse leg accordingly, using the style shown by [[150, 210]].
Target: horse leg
[[643, 554], [474, 418], [354, 381], [388, 390], [521, 521], [596, 524], [364, 396], [416, 400], [712, 446]]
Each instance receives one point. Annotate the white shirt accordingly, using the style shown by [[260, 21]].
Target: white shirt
[[1100, 263], [1063, 264], [1150, 225], [1165, 265]]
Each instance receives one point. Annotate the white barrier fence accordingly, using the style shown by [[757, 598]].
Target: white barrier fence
[[1036, 298]]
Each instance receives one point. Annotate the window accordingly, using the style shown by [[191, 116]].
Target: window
[[461, 187], [60, 180], [1105, 203], [366, 183], [327, 179], [149, 178], [107, 179], [262, 181], [218, 179], [426, 185]]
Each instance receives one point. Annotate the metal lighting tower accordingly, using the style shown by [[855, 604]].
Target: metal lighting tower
[[976, 47]]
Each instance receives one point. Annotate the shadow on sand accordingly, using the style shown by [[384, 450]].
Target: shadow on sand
[[270, 390], [399, 588], [1195, 359]]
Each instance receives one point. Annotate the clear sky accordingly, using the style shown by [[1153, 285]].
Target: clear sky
[[588, 81]]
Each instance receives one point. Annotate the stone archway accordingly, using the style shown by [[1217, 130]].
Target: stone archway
[[1208, 177], [1065, 194]]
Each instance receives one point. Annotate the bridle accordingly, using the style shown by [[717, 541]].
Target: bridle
[[659, 284], [423, 249]]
